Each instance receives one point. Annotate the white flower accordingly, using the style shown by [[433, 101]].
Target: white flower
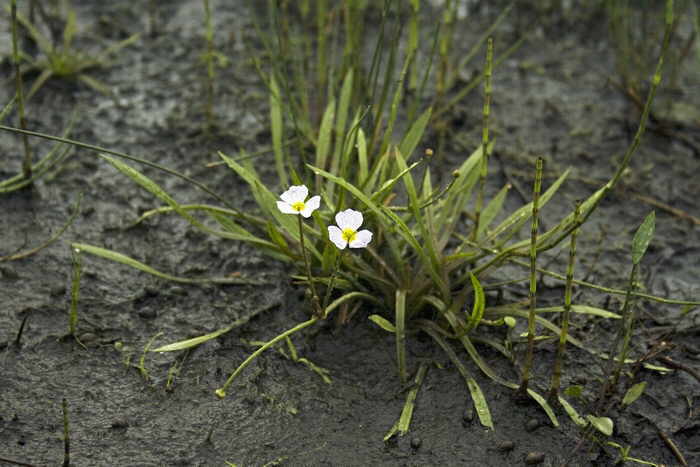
[[293, 201], [346, 234]]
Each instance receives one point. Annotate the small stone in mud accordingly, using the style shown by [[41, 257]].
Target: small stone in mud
[[88, 338], [57, 290], [532, 424], [8, 273], [177, 290], [467, 416], [506, 446], [534, 458], [147, 313], [119, 423], [416, 442]]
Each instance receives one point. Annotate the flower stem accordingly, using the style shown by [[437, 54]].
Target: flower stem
[[318, 311], [331, 283]]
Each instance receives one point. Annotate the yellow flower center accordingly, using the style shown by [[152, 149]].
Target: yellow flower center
[[298, 206], [349, 235]]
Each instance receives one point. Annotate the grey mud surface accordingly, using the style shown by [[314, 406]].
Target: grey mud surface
[[553, 98]]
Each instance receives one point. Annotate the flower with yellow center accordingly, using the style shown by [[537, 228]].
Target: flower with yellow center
[[346, 233], [294, 201]]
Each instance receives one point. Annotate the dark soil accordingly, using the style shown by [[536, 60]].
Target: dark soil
[[554, 98]]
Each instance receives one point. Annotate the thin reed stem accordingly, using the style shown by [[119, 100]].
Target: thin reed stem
[[316, 301], [533, 278], [484, 138], [561, 347], [27, 161]]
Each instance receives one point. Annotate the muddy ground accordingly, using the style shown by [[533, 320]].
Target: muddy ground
[[555, 97]]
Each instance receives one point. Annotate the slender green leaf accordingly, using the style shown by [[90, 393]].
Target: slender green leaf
[[642, 238], [195, 341], [383, 323], [602, 424], [634, 393], [324, 139], [521, 215], [492, 210], [572, 413], [545, 406], [478, 306], [403, 423], [400, 314], [362, 162], [414, 134], [120, 258]]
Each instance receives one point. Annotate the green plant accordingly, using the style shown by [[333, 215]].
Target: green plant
[[429, 252], [62, 60], [636, 30]]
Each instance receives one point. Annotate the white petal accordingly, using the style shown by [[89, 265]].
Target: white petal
[[349, 219], [362, 239], [295, 194], [311, 205], [286, 208], [336, 236]]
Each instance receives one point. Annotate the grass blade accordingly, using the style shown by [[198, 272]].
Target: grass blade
[[276, 125], [120, 258], [642, 237], [401, 334], [403, 423]]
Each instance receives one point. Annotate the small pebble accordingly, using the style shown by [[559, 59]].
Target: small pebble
[[506, 446], [88, 338], [533, 458], [532, 424], [416, 442], [8, 273], [147, 313], [58, 290], [177, 290], [120, 423], [467, 416]]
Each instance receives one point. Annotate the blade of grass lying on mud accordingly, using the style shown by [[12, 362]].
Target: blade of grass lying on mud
[[580, 309], [120, 258], [480, 404], [195, 341], [404, 422], [383, 323]]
